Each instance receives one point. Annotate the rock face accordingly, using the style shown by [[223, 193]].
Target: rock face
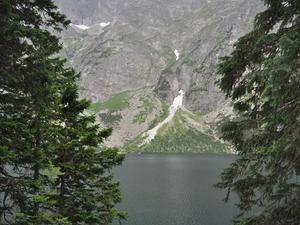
[[167, 45], [137, 48]]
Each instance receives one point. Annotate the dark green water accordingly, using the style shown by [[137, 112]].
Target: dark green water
[[174, 190]]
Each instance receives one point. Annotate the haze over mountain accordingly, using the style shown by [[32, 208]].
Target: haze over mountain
[[135, 55]]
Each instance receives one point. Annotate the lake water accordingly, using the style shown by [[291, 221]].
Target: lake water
[[163, 189]]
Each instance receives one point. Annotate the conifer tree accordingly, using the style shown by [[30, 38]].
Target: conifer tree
[[28, 102], [37, 129], [86, 192], [262, 78]]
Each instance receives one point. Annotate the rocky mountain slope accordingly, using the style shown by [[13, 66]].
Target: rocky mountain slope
[[135, 55]]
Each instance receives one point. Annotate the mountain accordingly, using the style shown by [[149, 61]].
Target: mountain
[[135, 55]]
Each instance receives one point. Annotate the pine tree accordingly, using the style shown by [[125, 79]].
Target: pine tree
[[86, 192], [27, 105], [37, 129], [262, 78]]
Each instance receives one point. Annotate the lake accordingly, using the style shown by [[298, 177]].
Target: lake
[[162, 189]]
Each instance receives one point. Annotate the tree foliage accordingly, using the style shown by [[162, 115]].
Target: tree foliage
[[53, 169], [85, 191], [262, 78]]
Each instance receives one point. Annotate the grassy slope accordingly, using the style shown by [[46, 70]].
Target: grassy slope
[[183, 135], [115, 103], [186, 134], [144, 110]]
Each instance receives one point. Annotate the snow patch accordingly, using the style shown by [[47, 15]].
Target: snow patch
[[177, 54], [177, 103], [81, 26], [85, 27], [104, 24]]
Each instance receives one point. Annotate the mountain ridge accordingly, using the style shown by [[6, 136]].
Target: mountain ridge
[[167, 45]]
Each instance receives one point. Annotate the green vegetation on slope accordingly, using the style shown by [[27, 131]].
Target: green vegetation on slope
[[110, 118], [191, 141], [161, 117], [146, 109], [186, 60], [183, 135], [115, 103], [108, 52], [197, 88], [170, 63]]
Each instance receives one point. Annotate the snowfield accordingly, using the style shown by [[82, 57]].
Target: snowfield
[[177, 54], [104, 24], [81, 27], [85, 27], [177, 103]]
